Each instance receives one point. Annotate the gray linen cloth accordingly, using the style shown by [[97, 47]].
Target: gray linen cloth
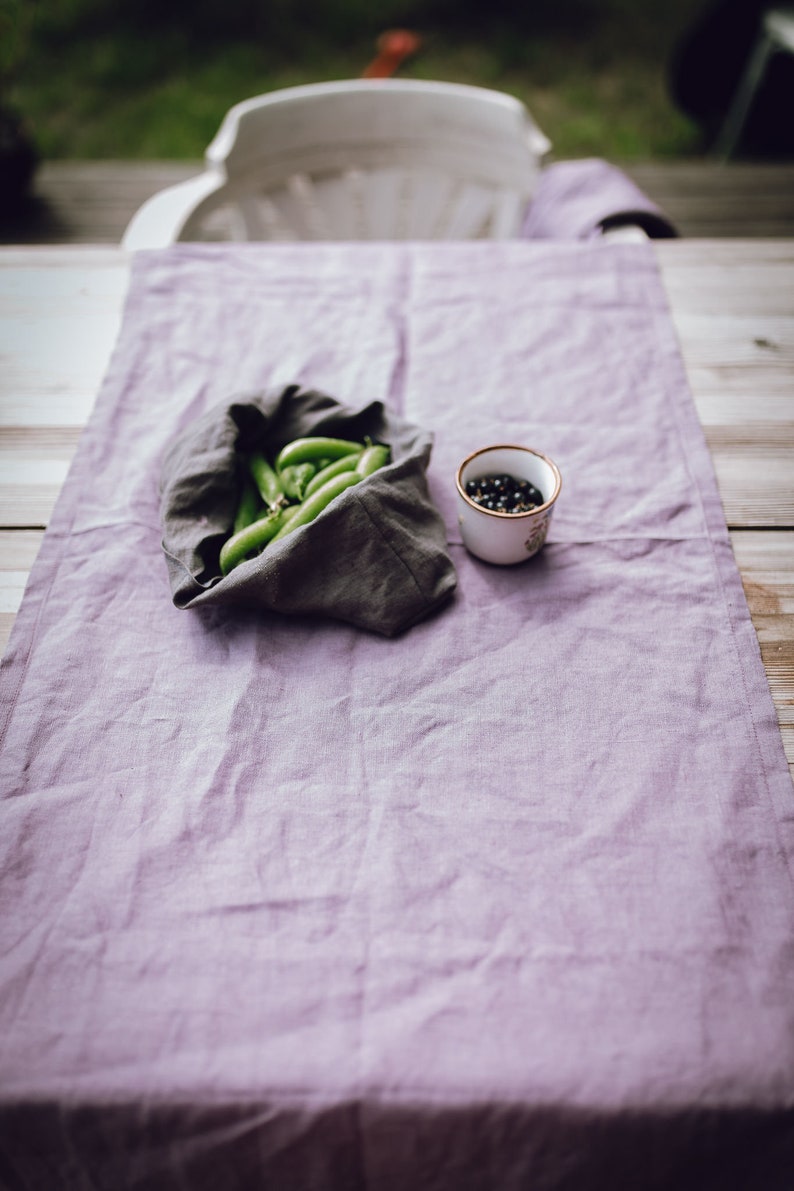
[[376, 557]]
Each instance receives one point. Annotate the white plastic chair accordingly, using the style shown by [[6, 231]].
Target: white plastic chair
[[776, 35], [385, 159]]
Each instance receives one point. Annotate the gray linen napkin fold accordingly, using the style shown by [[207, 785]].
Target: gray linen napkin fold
[[376, 557]]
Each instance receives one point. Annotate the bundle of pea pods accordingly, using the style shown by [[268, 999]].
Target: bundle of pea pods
[[293, 489]]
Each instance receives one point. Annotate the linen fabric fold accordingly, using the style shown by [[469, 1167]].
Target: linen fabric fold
[[376, 557]]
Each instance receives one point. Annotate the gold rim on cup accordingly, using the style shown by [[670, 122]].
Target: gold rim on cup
[[510, 447]]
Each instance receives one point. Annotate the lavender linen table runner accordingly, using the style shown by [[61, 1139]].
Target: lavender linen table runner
[[580, 199], [505, 902]]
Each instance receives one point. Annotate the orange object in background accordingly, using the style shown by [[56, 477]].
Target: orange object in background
[[394, 46]]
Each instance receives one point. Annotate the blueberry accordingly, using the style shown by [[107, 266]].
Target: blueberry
[[504, 493]]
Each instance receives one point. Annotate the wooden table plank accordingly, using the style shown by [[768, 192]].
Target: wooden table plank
[[766, 563], [34, 461], [734, 316], [706, 198], [60, 312], [92, 201], [756, 487], [18, 550]]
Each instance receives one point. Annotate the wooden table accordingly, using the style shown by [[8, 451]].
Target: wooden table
[[733, 306], [91, 202]]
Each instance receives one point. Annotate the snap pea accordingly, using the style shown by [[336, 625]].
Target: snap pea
[[252, 539], [309, 450], [315, 504], [295, 478], [267, 481], [310, 471], [373, 458], [346, 463], [248, 508]]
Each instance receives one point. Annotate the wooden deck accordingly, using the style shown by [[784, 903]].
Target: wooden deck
[[92, 201]]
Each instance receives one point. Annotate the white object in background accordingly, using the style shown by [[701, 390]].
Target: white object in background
[[625, 233], [506, 538], [776, 35], [366, 159]]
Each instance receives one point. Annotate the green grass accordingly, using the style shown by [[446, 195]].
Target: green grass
[[123, 93]]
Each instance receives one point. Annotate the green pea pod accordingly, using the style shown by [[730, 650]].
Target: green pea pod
[[267, 481], [310, 450], [373, 458], [315, 504], [249, 507], [346, 463], [295, 478], [253, 538]]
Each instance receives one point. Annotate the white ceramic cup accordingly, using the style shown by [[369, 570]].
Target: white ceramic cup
[[506, 538]]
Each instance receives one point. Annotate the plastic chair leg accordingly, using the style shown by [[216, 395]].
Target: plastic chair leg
[[737, 113]]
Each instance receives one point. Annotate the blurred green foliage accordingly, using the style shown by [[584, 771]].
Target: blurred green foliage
[[16, 20], [153, 78]]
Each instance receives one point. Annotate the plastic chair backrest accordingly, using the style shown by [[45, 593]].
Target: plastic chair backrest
[[366, 159]]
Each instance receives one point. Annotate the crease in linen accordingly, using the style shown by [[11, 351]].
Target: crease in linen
[[503, 903]]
